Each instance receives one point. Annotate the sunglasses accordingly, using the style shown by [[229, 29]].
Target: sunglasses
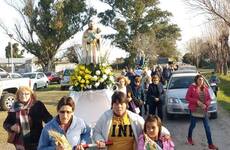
[[63, 111], [26, 94]]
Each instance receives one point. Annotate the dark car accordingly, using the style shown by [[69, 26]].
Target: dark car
[[53, 77]]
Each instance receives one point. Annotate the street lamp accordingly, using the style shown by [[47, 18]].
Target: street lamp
[[11, 52]]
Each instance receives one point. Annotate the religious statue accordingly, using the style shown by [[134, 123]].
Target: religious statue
[[91, 44], [140, 58]]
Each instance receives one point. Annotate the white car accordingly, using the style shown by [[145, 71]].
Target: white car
[[14, 75], [37, 79], [176, 90]]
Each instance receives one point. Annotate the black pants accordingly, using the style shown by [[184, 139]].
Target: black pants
[[156, 105]]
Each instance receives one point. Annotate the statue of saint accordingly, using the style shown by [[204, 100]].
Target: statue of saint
[[140, 58], [91, 44]]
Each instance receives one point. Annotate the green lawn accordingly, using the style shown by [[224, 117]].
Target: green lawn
[[224, 92], [223, 95]]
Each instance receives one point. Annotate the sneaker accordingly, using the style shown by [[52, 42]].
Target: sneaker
[[190, 141], [212, 146]]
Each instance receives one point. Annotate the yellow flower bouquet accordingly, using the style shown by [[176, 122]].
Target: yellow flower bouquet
[[92, 77]]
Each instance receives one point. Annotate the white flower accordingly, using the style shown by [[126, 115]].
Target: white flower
[[103, 64], [98, 72], [97, 84], [89, 86], [111, 78], [107, 71], [104, 76], [94, 78]]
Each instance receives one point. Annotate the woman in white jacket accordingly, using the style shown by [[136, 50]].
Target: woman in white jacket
[[118, 125]]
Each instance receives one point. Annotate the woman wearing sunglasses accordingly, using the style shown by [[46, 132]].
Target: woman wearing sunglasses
[[65, 126], [25, 120]]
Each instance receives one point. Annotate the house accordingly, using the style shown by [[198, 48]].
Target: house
[[20, 65]]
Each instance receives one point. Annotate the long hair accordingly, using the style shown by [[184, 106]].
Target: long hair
[[153, 118], [196, 81]]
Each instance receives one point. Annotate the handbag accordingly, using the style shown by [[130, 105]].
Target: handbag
[[11, 137]]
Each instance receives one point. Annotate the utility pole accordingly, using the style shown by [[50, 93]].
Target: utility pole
[[11, 52]]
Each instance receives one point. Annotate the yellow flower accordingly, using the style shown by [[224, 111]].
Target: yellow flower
[[87, 71], [87, 82], [81, 72], [82, 81], [87, 76], [82, 67], [79, 78]]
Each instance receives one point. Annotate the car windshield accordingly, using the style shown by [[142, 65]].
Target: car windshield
[[187, 68], [181, 82], [31, 76], [68, 72]]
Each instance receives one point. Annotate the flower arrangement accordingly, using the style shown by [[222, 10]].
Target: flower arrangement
[[92, 77], [60, 139]]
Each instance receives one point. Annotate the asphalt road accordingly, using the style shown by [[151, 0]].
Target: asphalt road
[[219, 128]]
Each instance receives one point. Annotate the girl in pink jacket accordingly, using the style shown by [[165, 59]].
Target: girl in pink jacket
[[155, 136]]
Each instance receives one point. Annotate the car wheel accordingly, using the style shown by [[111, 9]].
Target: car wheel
[[46, 85], [7, 101], [213, 115], [35, 87]]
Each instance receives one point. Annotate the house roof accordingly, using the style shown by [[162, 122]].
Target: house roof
[[15, 60]]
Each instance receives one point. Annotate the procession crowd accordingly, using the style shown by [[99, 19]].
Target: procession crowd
[[123, 127]]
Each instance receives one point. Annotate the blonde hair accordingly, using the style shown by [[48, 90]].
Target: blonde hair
[[23, 89], [127, 81]]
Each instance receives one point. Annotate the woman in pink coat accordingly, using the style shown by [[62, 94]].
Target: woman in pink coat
[[198, 98]]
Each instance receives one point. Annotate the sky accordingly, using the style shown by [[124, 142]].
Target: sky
[[188, 22]]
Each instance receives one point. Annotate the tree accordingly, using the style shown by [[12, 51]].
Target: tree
[[219, 12], [213, 9], [134, 21], [73, 54], [16, 52], [48, 24], [188, 58]]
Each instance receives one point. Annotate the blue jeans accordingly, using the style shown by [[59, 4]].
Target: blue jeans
[[206, 127]]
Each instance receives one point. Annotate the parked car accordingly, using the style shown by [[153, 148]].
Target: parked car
[[3, 73], [37, 79], [14, 75], [187, 67], [176, 90], [53, 77], [10, 75], [8, 88], [66, 78]]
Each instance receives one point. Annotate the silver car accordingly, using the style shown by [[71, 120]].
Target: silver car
[[176, 90]]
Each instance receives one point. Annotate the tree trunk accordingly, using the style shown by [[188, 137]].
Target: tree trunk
[[225, 67]]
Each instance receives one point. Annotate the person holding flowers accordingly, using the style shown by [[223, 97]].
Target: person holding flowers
[[65, 131]]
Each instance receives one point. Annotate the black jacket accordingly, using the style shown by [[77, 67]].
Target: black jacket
[[37, 114], [155, 91]]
